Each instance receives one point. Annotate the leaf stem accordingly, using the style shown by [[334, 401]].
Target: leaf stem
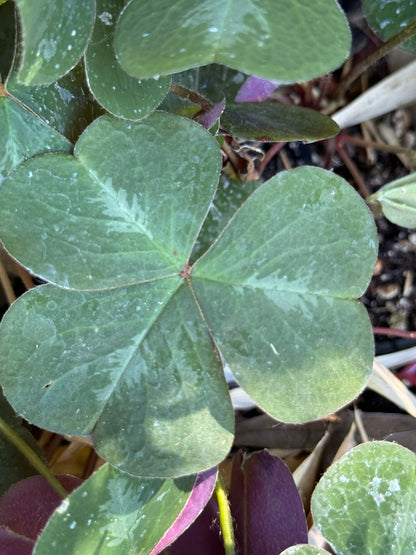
[[378, 53], [395, 332], [191, 95], [32, 457], [225, 518]]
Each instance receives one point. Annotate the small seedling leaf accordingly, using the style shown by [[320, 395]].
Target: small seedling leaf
[[255, 89], [365, 503], [398, 201]]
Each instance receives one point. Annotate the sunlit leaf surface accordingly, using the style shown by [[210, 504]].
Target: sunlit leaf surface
[[113, 513], [398, 200], [276, 294], [366, 502], [129, 347]]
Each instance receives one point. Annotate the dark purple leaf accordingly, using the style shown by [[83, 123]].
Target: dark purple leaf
[[201, 493], [203, 537], [265, 505], [275, 122], [256, 89], [408, 374], [13, 544], [210, 117], [26, 507]]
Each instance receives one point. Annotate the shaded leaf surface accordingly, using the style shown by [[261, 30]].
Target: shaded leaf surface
[[118, 92], [388, 17], [366, 502], [202, 537], [55, 36], [272, 39], [276, 122], [22, 135], [398, 201], [14, 466], [65, 105], [113, 513], [7, 38], [229, 196], [265, 505], [27, 506], [14, 544]]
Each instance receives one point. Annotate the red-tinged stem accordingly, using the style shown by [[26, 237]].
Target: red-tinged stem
[[273, 150], [394, 332], [352, 168]]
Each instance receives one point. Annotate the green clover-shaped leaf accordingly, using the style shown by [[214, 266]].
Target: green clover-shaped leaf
[[114, 513], [23, 135], [366, 502], [54, 37], [388, 17], [118, 92], [274, 39], [128, 346], [398, 200], [66, 105]]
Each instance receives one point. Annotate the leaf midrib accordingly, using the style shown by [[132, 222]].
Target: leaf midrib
[[160, 248], [275, 288], [96, 420]]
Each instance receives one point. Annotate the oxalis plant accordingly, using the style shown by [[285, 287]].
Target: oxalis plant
[[159, 274]]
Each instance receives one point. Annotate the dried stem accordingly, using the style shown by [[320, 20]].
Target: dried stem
[[378, 53]]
